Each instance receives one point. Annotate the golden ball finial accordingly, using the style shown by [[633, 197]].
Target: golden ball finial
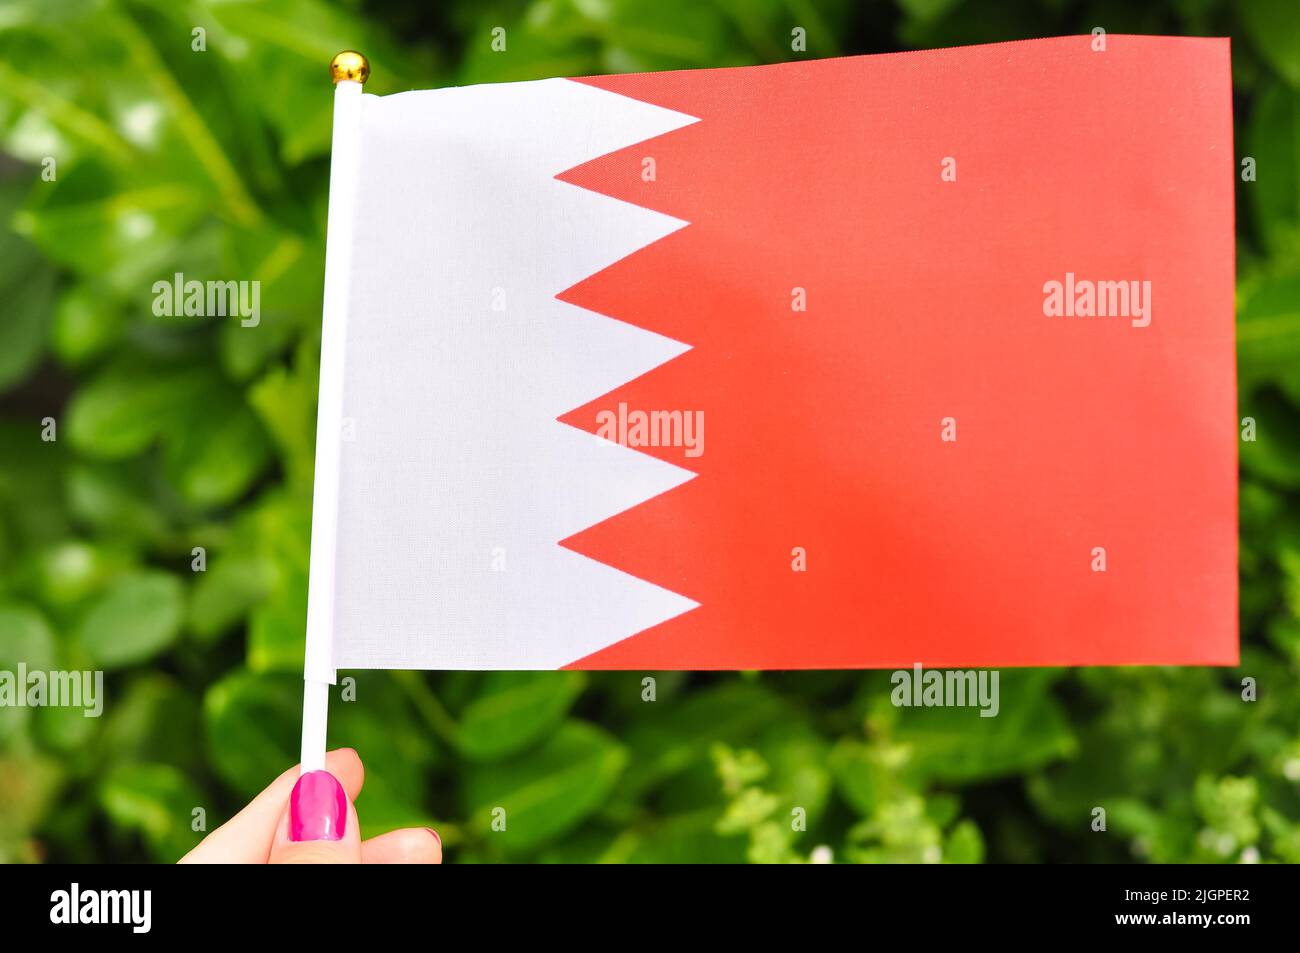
[[349, 65]]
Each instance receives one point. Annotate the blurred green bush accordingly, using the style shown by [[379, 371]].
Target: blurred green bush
[[177, 434]]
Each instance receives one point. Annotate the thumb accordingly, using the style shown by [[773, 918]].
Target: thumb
[[319, 826]]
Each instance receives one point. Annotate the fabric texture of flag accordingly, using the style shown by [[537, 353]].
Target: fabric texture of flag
[[922, 357]]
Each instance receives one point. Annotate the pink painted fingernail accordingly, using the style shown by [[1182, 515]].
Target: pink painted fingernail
[[318, 808], [435, 836]]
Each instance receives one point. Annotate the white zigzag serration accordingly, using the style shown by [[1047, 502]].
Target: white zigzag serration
[[458, 481]]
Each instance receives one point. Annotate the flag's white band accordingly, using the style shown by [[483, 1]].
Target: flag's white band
[[458, 480]]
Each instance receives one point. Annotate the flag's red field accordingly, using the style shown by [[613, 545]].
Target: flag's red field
[[926, 300]]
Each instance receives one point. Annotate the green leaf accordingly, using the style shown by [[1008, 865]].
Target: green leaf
[[685, 838], [153, 718], [957, 744], [861, 775], [227, 591], [28, 297], [278, 530], [252, 724], [124, 410], [797, 757], [957, 24], [927, 10], [1148, 734], [219, 450], [547, 791], [157, 801], [292, 38], [136, 618], [285, 401], [65, 728], [1274, 27], [116, 499], [86, 324], [31, 501], [1273, 140], [277, 628], [107, 227], [25, 636], [70, 571], [27, 290], [1274, 454], [215, 445], [394, 746], [671, 738], [1268, 328], [53, 60], [515, 709], [27, 796], [965, 845]]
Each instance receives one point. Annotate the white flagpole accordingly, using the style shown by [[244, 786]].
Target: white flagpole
[[348, 70]]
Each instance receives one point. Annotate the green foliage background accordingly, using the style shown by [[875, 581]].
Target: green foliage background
[[174, 434]]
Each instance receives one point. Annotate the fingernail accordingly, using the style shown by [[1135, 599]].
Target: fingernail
[[318, 808], [435, 836]]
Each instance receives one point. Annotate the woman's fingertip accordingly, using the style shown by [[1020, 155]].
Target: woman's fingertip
[[435, 836], [318, 808]]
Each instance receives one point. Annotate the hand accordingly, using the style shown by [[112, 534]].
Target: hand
[[311, 820]]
